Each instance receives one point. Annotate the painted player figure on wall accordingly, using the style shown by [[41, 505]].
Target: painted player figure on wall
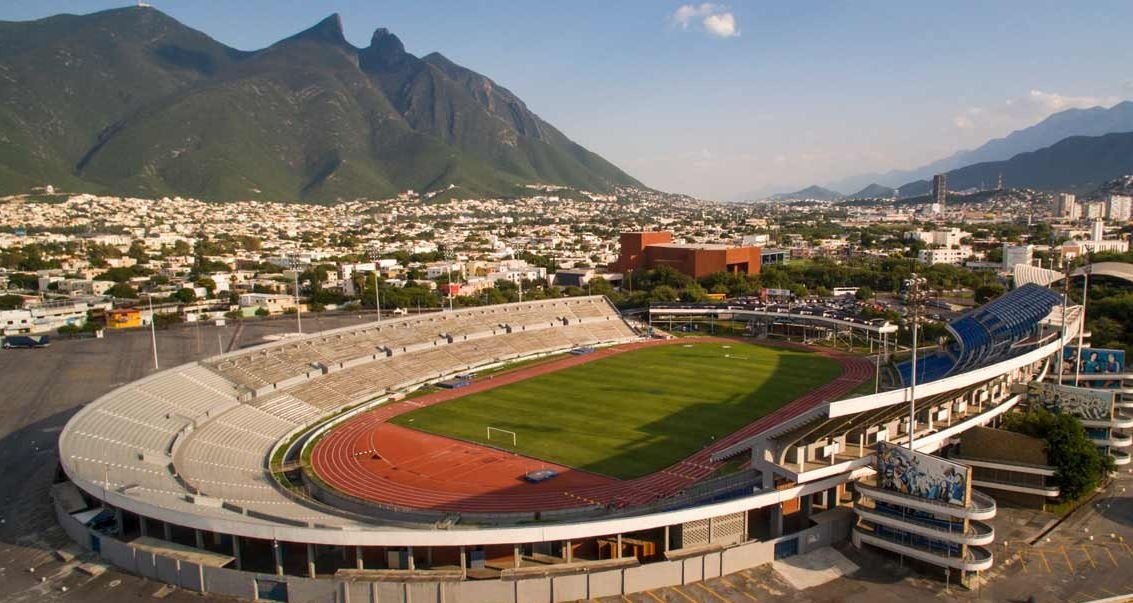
[[921, 475]]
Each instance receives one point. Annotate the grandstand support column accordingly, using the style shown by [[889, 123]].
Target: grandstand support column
[[667, 544], [277, 556], [618, 553], [119, 521], [358, 559], [515, 556], [464, 562], [199, 538], [410, 564], [310, 560], [236, 552], [806, 506], [832, 498], [568, 550], [166, 531], [775, 529]]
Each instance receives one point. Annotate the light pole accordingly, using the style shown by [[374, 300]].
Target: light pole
[[298, 310], [448, 264], [914, 296], [376, 257], [1082, 321], [152, 330]]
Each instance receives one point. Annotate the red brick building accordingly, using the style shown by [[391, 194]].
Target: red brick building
[[652, 249]]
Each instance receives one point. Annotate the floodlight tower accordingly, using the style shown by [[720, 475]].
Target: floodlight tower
[[375, 256], [914, 298]]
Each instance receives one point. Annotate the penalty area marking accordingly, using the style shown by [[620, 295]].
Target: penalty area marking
[[508, 431]]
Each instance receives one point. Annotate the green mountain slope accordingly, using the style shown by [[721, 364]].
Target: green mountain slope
[[130, 101]]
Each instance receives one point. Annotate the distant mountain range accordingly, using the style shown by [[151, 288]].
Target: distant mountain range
[[1082, 164], [1076, 164], [873, 191], [130, 101], [1094, 121], [811, 192]]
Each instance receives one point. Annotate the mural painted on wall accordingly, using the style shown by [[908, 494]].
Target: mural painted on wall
[[922, 475], [1081, 402]]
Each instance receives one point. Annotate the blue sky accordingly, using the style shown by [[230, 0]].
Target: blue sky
[[720, 99]]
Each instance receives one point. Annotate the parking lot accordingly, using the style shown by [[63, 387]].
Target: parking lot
[[42, 388]]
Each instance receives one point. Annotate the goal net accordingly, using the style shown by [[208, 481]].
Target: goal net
[[501, 434]]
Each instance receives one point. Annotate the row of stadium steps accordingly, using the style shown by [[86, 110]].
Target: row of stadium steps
[[276, 364], [125, 441], [224, 460], [389, 374]]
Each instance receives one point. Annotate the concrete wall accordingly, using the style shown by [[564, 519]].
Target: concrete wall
[[833, 527]]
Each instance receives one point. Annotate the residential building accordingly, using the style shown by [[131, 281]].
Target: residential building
[[1119, 208], [939, 192], [274, 303], [945, 255], [1068, 206], [1014, 255]]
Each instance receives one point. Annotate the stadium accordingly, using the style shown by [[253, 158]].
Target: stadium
[[550, 450]]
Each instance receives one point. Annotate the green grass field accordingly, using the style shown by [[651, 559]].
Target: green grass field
[[635, 413]]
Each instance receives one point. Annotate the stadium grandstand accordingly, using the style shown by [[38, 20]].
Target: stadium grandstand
[[196, 475], [1008, 325]]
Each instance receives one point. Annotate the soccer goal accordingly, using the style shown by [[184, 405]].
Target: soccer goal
[[501, 433]]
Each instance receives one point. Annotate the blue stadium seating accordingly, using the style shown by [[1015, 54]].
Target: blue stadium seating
[[929, 368], [987, 333]]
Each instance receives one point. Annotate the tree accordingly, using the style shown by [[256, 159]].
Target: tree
[[1080, 466], [864, 294], [122, 291], [138, 251], [11, 302], [663, 293], [185, 295], [208, 284], [986, 293]]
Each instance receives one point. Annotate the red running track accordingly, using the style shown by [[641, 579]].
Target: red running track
[[370, 459]]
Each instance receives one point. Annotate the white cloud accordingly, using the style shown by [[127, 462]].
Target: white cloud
[[722, 25], [715, 19]]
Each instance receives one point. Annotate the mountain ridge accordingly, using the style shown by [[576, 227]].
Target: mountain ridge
[[1092, 121], [162, 109]]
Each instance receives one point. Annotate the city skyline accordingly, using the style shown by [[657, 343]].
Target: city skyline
[[721, 100]]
